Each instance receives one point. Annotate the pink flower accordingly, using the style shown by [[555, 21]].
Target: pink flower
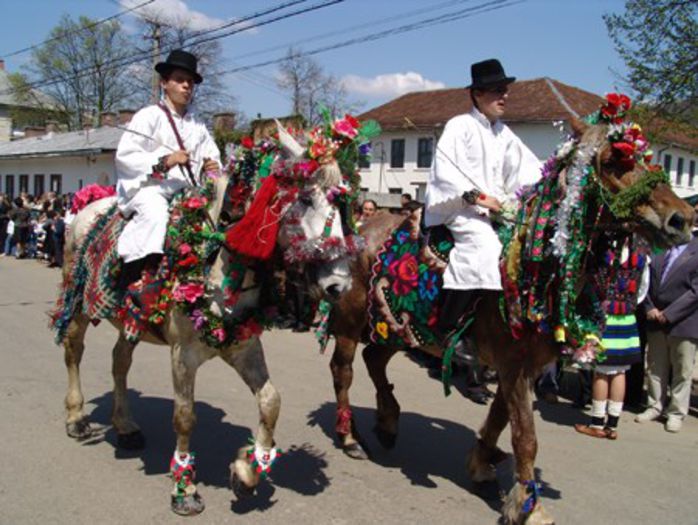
[[345, 128], [194, 203], [219, 333], [188, 292], [184, 249]]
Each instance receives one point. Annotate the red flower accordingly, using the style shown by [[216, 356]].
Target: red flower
[[405, 271], [626, 150], [355, 123], [247, 142], [189, 260]]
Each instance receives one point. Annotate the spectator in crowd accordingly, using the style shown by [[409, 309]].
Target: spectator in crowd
[[620, 338], [368, 209], [21, 216], [10, 237], [5, 207], [405, 199], [58, 238], [671, 310]]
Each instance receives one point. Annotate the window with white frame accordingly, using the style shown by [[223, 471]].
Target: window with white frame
[[397, 153], [679, 171], [425, 147], [667, 163]]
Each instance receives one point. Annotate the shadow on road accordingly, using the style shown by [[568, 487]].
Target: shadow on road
[[216, 441]]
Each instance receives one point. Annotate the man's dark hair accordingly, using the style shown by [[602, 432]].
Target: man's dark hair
[[407, 196], [371, 201]]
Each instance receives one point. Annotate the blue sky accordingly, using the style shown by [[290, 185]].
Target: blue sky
[[562, 39]]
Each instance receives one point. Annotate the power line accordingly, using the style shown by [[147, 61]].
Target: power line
[[78, 30], [493, 5], [116, 63], [357, 27]]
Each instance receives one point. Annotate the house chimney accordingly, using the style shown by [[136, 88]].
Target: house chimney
[[34, 131], [2, 64], [107, 118], [52, 126], [224, 122], [125, 116]]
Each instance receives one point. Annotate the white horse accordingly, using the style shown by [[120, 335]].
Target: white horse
[[188, 351]]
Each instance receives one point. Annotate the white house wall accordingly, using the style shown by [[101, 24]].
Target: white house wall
[[541, 138], [75, 172], [683, 185]]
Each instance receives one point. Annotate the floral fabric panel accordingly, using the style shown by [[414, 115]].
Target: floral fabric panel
[[405, 283]]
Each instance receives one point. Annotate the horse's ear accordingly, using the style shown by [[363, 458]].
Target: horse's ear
[[578, 126], [288, 143]]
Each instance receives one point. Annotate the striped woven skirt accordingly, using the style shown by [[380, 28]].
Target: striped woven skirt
[[621, 340]]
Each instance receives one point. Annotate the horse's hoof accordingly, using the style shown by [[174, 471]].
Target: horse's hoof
[[79, 430], [132, 441], [240, 490], [355, 451], [385, 438], [189, 505]]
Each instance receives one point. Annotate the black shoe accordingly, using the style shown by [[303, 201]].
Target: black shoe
[[476, 396]]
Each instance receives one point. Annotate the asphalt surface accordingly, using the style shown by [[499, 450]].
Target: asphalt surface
[[647, 476]]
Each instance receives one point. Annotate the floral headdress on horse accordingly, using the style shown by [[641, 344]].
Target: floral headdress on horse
[[277, 169]]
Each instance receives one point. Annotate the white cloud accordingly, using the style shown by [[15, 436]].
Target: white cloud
[[175, 12], [392, 84]]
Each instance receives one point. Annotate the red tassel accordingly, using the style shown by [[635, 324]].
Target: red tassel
[[255, 234]]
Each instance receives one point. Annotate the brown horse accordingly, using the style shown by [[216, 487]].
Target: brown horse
[[663, 217]]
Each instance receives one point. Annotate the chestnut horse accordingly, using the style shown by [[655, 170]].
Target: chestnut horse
[[518, 361]]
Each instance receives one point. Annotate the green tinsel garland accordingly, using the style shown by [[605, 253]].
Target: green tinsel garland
[[624, 203]]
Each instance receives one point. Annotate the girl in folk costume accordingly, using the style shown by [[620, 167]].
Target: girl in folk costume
[[479, 164], [165, 151], [623, 279]]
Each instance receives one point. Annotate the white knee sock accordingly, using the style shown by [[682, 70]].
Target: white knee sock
[[598, 413]]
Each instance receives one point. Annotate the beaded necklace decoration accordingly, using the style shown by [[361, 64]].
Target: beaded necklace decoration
[[557, 221]]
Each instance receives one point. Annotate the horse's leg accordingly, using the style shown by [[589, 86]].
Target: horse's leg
[[342, 369], [522, 504], [129, 435], [376, 358], [77, 424], [250, 364], [485, 455], [186, 360]]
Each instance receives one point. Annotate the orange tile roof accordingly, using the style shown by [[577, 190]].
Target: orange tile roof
[[537, 100]]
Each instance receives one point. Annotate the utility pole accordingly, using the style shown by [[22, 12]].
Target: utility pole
[[156, 36]]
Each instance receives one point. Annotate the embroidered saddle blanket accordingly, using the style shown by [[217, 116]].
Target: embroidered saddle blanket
[[92, 285], [405, 283]]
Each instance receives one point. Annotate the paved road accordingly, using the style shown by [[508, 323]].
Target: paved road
[[647, 476]]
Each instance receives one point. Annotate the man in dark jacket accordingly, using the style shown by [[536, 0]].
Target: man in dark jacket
[[671, 309]]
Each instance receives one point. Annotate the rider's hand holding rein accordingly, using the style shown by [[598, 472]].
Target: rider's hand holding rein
[[211, 165], [179, 157]]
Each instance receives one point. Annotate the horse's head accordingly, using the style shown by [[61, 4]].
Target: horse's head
[[312, 235], [637, 194]]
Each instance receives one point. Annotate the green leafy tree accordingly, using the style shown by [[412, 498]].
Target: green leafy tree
[[81, 67], [658, 41]]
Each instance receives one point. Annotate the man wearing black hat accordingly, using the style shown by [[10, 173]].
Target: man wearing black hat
[[479, 164], [166, 150]]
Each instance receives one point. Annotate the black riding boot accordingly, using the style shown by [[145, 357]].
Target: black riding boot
[[456, 305]]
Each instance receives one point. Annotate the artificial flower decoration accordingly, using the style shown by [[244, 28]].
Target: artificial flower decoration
[[615, 108]]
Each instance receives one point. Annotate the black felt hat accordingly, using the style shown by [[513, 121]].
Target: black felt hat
[[487, 74], [179, 59]]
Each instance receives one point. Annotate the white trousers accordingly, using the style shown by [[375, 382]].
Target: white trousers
[[665, 353], [145, 232]]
